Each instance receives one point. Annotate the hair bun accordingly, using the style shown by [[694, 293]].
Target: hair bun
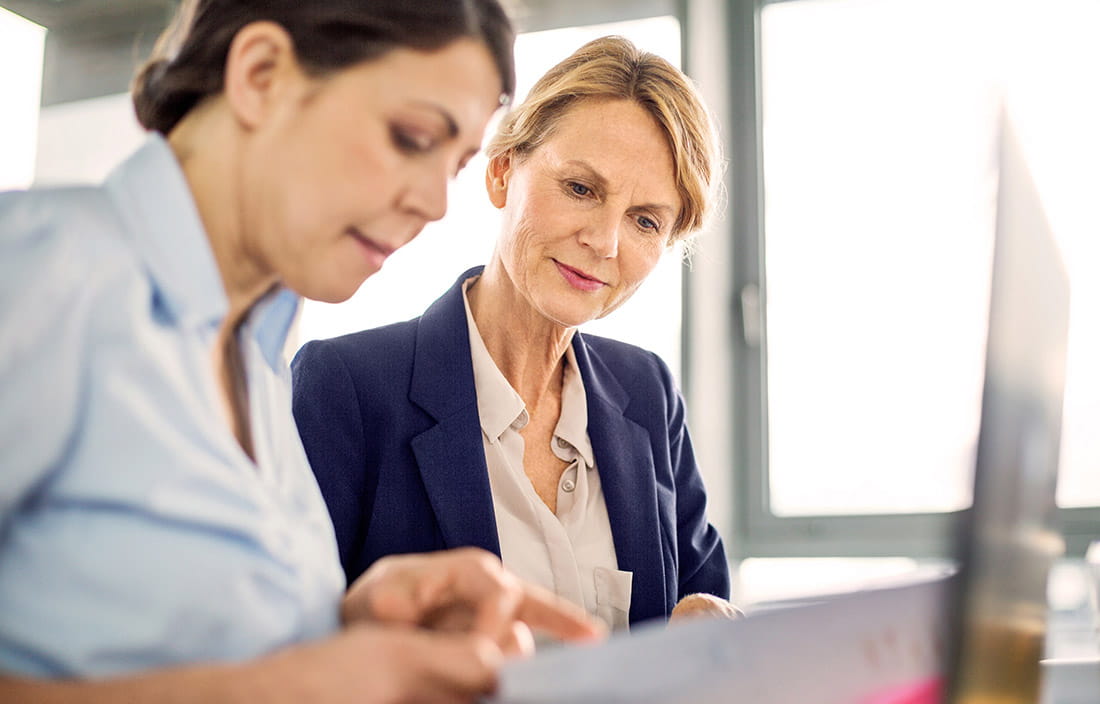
[[148, 92]]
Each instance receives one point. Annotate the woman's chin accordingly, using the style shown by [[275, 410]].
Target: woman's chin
[[331, 290], [568, 317]]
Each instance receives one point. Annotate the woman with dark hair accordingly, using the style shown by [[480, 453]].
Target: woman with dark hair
[[161, 535]]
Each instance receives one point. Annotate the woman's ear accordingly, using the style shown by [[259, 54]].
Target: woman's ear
[[259, 69], [496, 179]]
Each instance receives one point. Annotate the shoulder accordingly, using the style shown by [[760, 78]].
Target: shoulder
[[61, 239], [63, 268], [640, 379], [632, 366], [40, 211], [389, 349], [379, 352], [69, 278], [66, 263]]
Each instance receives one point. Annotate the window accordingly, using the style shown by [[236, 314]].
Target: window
[[876, 135], [419, 273], [21, 44]]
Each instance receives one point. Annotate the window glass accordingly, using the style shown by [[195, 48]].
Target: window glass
[[879, 130], [21, 45]]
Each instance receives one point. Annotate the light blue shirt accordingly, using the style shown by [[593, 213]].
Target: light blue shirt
[[134, 531]]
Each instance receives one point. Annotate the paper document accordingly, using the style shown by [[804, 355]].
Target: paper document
[[844, 649]]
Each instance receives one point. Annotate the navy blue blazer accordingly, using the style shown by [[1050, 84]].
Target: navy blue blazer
[[390, 423]]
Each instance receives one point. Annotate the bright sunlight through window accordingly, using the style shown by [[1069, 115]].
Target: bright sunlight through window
[[879, 127]]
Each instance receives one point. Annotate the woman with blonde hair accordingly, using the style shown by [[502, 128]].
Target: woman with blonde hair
[[565, 453]]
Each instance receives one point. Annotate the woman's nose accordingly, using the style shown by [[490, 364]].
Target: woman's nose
[[602, 237], [427, 196]]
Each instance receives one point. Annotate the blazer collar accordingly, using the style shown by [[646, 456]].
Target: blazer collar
[[624, 457], [450, 454], [443, 375]]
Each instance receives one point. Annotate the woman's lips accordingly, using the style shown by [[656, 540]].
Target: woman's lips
[[376, 254], [578, 279]]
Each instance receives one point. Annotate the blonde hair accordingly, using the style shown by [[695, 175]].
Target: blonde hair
[[613, 68]]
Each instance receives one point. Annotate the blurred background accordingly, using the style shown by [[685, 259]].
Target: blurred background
[[829, 329]]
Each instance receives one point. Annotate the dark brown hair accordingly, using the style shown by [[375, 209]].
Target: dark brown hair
[[188, 62]]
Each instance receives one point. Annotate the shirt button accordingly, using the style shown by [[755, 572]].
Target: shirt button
[[568, 485], [562, 443]]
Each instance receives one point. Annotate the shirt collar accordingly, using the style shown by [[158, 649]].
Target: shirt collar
[[498, 404], [269, 324], [573, 422], [164, 227]]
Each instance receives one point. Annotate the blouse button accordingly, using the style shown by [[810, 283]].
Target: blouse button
[[562, 443], [568, 485]]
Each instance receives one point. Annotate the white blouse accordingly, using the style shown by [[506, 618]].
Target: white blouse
[[570, 552]]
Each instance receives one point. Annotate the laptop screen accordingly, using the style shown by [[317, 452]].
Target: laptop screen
[[1008, 537]]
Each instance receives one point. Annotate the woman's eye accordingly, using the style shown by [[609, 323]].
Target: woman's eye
[[579, 188], [411, 143], [647, 224]]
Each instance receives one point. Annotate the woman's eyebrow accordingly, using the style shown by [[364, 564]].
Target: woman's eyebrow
[[658, 207], [448, 119], [596, 177]]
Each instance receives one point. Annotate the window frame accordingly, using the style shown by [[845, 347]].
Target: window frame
[[758, 531]]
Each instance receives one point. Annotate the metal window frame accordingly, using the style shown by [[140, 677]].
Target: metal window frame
[[761, 533]]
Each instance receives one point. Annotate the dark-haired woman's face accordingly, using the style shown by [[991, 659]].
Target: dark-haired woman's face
[[354, 165]]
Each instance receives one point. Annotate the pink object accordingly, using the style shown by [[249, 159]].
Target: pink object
[[929, 691]]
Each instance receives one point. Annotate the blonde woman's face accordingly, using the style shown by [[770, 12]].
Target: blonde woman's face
[[588, 214], [354, 167]]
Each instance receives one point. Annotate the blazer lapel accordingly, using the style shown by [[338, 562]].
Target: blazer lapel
[[450, 454], [624, 459]]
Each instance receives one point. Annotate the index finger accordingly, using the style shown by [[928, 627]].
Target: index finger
[[543, 610]]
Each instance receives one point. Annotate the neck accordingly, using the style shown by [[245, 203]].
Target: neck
[[527, 348], [209, 147]]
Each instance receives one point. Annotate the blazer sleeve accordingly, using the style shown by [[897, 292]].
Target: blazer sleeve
[[702, 565], [330, 423]]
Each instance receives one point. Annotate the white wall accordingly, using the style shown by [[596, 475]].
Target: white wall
[[80, 142]]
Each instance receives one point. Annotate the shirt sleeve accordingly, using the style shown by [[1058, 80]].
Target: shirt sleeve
[[43, 315], [330, 423]]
